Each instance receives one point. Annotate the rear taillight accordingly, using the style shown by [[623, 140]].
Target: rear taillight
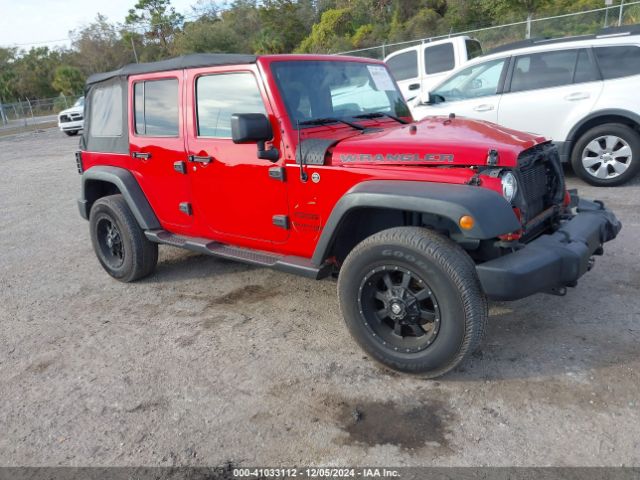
[[79, 162]]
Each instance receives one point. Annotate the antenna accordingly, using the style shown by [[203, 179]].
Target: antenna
[[303, 174]]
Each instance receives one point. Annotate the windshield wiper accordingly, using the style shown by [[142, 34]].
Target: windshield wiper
[[380, 115], [325, 121]]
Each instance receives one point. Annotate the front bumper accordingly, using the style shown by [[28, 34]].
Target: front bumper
[[553, 260], [66, 126]]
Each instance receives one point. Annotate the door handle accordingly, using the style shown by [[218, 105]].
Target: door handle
[[414, 86], [141, 155], [572, 97], [205, 160], [485, 107]]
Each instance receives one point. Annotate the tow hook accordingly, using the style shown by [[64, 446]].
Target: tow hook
[[592, 262]]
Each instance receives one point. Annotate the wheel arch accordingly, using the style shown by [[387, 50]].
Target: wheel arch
[[376, 205], [601, 117], [100, 181]]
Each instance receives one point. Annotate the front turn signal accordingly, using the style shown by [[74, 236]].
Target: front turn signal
[[466, 222]]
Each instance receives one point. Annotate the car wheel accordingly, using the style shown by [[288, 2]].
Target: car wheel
[[412, 300], [120, 244], [71, 133], [607, 155]]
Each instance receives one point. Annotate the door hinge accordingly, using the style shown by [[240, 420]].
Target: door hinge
[[281, 221], [185, 207], [277, 173], [180, 167]]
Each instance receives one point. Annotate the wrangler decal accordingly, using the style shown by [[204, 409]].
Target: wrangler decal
[[397, 157]]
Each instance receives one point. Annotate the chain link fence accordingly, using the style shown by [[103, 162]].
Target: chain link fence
[[32, 114], [571, 24]]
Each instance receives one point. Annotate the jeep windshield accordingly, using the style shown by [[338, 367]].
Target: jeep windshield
[[314, 90]]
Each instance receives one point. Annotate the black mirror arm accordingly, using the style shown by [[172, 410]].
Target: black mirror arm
[[273, 154]]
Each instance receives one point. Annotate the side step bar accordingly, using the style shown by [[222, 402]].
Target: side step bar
[[286, 263]]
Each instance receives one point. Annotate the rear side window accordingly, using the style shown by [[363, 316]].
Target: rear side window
[[544, 70], [474, 49], [439, 58], [106, 111], [220, 96], [616, 62], [156, 107], [404, 66]]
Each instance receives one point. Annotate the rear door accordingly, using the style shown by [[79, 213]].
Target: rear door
[[157, 145], [438, 61], [547, 91], [235, 197], [404, 67]]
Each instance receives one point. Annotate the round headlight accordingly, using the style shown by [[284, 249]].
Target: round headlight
[[509, 186]]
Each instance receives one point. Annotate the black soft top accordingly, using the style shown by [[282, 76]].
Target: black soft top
[[178, 63]]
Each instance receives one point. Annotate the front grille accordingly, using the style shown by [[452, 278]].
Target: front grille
[[540, 180], [534, 188], [74, 117]]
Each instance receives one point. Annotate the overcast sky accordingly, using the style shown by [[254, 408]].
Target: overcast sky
[[35, 21]]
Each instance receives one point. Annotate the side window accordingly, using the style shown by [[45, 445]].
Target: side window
[[404, 66], [220, 96], [106, 111], [439, 58], [543, 70], [474, 49], [616, 62], [585, 69], [156, 107], [476, 81]]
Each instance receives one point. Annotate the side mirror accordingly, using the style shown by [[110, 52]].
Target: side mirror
[[254, 127], [434, 98]]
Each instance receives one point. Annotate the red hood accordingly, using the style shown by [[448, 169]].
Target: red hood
[[435, 141]]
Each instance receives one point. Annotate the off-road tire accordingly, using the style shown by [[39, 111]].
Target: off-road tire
[[139, 255], [71, 133], [627, 134], [449, 272]]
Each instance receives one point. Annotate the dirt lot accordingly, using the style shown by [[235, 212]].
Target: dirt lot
[[209, 361]]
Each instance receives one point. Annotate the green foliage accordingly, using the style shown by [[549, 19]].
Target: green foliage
[[154, 30], [159, 20], [331, 33], [68, 80]]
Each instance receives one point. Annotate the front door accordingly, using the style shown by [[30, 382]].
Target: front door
[[157, 143], [234, 195], [473, 92]]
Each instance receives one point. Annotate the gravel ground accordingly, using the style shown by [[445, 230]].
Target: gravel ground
[[210, 361]]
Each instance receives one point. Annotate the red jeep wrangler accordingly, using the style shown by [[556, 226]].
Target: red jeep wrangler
[[313, 165]]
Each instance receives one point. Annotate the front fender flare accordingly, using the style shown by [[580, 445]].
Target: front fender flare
[[493, 215], [126, 183]]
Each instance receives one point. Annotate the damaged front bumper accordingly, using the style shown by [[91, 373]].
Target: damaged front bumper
[[552, 261]]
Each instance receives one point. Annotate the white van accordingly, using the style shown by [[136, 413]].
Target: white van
[[421, 67]]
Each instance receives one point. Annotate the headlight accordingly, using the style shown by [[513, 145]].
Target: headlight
[[509, 186]]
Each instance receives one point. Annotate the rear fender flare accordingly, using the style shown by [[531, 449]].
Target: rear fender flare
[[126, 184]]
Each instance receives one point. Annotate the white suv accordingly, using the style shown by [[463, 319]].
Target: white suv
[[581, 92]]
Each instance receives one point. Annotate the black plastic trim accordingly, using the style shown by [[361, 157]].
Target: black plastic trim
[[286, 263], [126, 183], [551, 261], [492, 213]]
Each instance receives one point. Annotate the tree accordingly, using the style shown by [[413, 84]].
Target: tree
[[68, 80], [159, 20], [7, 74], [99, 47]]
